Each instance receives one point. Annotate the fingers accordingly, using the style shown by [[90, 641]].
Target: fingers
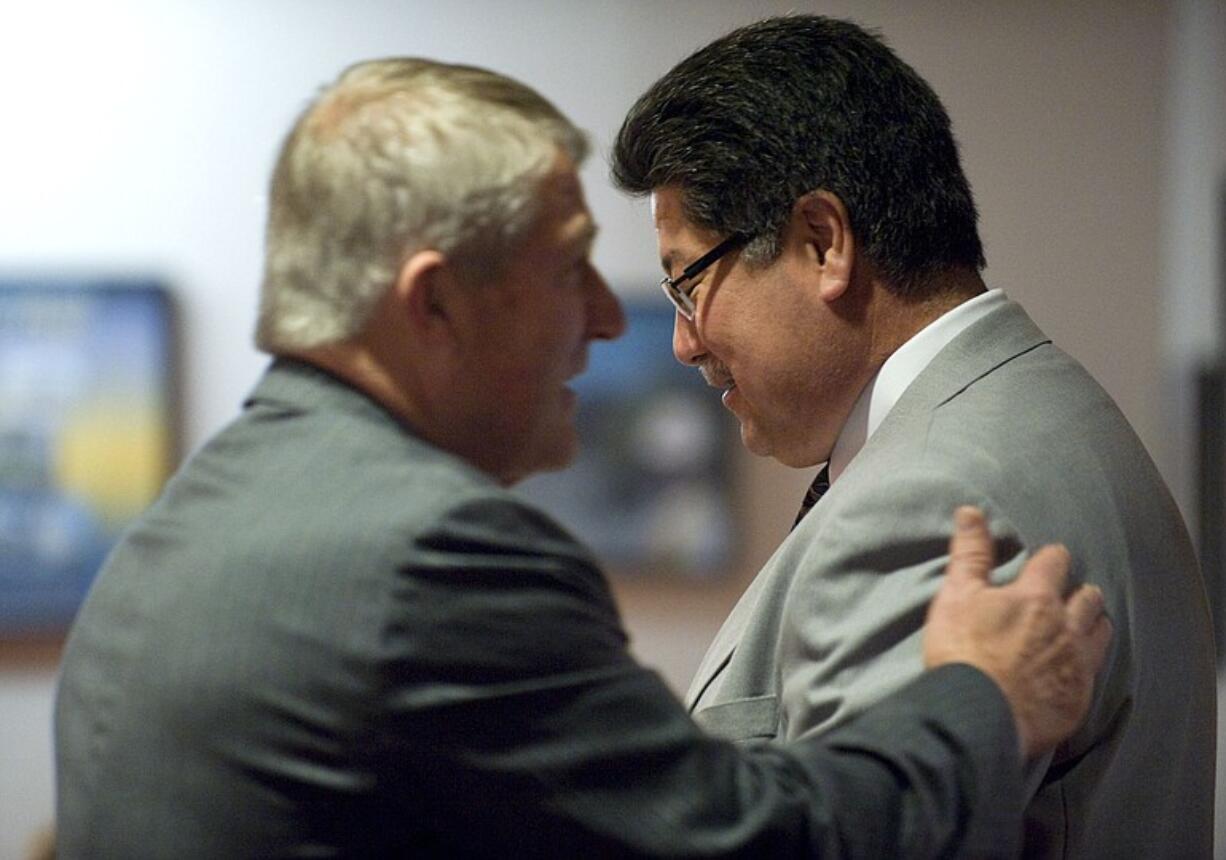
[[1087, 616], [1085, 607], [1042, 648], [970, 548], [1047, 569], [1100, 638]]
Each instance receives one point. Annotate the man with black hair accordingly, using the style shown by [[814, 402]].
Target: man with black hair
[[819, 242]]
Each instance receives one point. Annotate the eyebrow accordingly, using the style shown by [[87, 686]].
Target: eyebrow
[[701, 263], [666, 263]]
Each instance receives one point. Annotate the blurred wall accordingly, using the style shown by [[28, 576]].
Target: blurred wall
[[139, 135]]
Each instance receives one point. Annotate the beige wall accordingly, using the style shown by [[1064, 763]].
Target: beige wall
[[140, 133]]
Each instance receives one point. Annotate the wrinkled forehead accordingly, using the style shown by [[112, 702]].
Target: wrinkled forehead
[[668, 211], [679, 240], [562, 182], [664, 210], [562, 188], [562, 212]]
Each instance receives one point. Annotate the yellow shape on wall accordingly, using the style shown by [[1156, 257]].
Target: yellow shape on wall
[[114, 456]]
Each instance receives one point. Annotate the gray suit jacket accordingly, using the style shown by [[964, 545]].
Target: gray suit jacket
[[328, 638], [1004, 420]]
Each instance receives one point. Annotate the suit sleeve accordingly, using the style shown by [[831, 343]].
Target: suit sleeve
[[516, 709], [867, 564]]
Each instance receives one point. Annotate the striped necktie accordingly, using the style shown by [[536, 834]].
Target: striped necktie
[[816, 490]]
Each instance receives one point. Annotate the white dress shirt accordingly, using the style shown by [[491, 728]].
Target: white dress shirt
[[899, 371]]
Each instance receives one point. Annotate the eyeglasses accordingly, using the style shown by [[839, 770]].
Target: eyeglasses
[[682, 298]]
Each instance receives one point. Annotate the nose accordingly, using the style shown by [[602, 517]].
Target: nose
[[687, 345], [605, 318]]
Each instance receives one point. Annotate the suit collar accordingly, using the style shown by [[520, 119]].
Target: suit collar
[[995, 340], [901, 369], [297, 388], [303, 387], [1004, 334]]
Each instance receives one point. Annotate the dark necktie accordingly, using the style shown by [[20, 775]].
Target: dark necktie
[[816, 490]]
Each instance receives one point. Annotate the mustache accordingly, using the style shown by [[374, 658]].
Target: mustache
[[716, 373]]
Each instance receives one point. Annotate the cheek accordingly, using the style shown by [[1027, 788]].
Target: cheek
[[756, 362], [784, 380], [565, 338], [743, 335]]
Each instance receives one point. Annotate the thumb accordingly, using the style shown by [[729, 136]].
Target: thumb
[[971, 556]]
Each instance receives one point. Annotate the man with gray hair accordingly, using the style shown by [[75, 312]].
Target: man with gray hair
[[338, 634]]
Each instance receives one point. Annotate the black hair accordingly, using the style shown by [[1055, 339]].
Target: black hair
[[749, 123]]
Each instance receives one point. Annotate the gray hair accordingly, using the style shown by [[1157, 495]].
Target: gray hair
[[397, 156]]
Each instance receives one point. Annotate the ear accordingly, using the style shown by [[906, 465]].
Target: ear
[[821, 221], [421, 294]]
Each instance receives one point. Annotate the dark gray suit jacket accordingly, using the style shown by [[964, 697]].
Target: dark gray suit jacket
[[328, 638], [1004, 420]]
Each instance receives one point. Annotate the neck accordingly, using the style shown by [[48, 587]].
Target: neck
[[358, 366], [404, 393], [897, 319]]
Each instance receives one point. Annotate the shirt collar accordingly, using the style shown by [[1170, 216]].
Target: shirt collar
[[899, 371]]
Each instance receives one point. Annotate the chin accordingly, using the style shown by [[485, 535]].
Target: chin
[[760, 444], [754, 441], [560, 452]]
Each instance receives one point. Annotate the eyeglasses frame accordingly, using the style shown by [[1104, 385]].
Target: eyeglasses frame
[[683, 300]]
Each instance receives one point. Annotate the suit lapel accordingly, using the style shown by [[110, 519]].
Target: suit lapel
[[713, 663], [720, 653], [999, 337]]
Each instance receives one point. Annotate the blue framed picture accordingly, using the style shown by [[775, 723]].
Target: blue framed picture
[[652, 488], [86, 435]]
